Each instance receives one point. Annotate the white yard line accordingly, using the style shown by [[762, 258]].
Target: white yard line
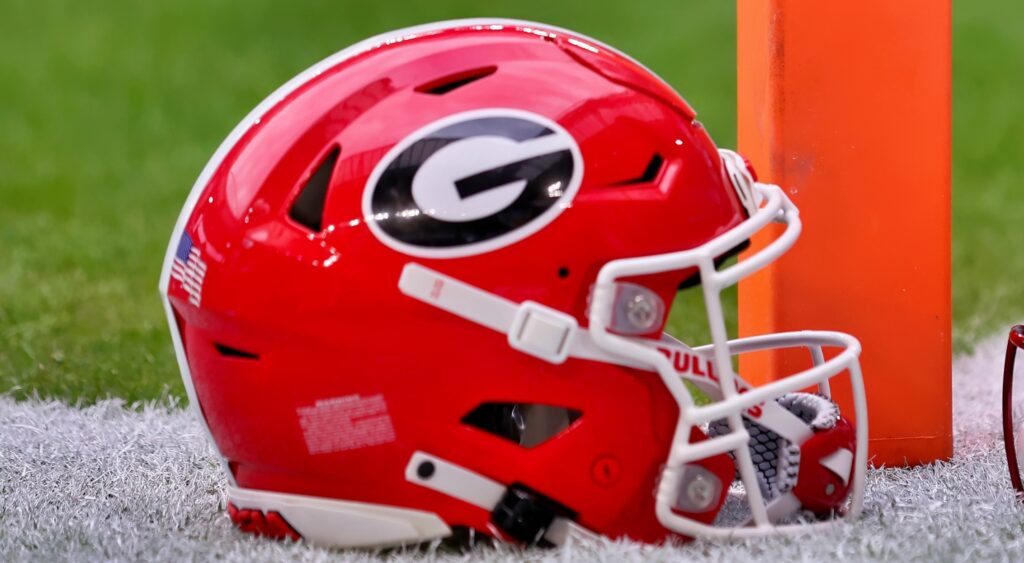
[[109, 483]]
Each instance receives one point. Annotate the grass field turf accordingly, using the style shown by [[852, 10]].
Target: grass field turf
[[109, 110]]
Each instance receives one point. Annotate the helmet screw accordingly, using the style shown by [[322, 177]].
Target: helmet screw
[[425, 470], [699, 491], [606, 470], [829, 489], [640, 311]]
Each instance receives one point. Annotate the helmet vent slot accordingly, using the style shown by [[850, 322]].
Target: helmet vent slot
[[526, 424], [230, 352], [308, 208], [650, 173], [451, 82]]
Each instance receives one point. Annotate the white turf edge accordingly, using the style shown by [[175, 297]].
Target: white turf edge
[[108, 483]]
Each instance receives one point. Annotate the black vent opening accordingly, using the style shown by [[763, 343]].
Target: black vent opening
[[526, 424], [308, 208], [230, 352], [650, 173], [448, 83]]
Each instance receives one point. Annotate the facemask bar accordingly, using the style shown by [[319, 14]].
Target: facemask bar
[[776, 208]]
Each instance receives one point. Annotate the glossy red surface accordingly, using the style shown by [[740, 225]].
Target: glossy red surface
[[324, 314], [1017, 336]]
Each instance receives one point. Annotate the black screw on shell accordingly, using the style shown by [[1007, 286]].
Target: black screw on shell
[[425, 470]]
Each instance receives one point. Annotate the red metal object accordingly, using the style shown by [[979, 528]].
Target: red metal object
[[1014, 343]]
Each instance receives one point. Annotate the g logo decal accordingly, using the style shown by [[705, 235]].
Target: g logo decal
[[472, 183]]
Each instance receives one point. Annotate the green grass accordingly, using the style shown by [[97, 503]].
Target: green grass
[[109, 109], [988, 167]]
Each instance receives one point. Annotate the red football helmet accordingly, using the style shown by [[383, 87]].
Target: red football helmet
[[424, 284]]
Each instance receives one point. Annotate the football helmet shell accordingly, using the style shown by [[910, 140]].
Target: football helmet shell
[[485, 220]]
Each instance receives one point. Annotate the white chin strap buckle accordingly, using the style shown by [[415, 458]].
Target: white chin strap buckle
[[543, 332]]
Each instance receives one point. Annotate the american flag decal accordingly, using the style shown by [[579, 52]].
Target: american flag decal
[[189, 269]]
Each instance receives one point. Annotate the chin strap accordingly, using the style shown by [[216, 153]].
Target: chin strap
[[777, 460], [531, 328]]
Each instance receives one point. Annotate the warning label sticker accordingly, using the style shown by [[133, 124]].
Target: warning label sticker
[[346, 423]]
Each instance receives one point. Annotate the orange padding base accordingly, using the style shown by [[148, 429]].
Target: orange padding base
[[847, 106]]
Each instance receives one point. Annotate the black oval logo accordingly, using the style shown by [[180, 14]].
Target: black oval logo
[[471, 183]]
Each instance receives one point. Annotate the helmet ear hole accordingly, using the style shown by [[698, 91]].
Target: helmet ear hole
[[526, 424]]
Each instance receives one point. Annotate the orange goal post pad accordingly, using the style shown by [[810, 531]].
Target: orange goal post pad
[[847, 106]]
